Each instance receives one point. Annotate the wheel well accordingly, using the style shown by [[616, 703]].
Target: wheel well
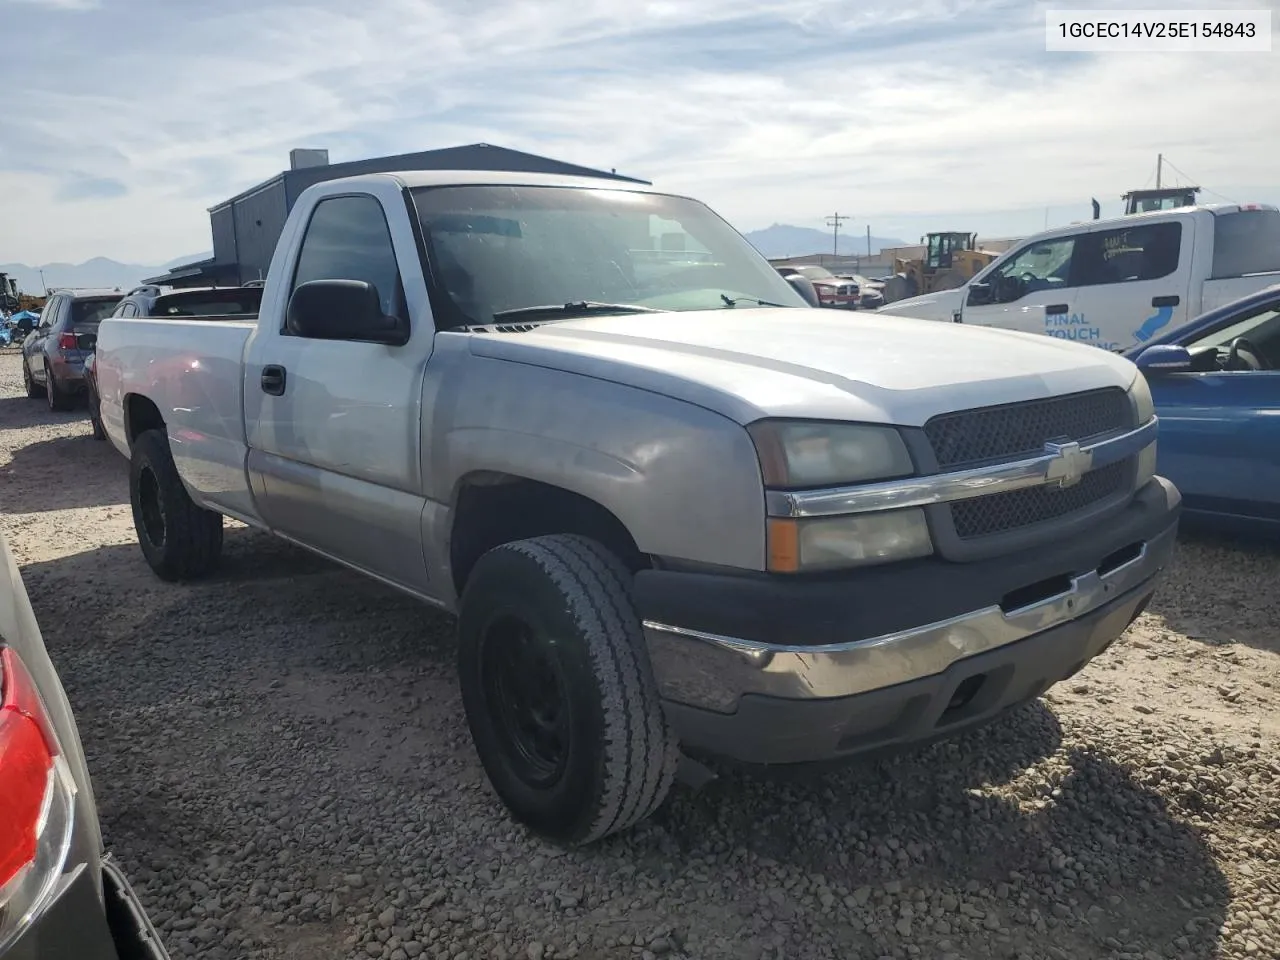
[[493, 509], [140, 414]]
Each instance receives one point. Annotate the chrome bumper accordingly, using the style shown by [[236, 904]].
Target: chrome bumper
[[712, 672]]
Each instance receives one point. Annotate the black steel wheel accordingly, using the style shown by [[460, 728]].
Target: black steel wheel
[[180, 540], [524, 691], [558, 691]]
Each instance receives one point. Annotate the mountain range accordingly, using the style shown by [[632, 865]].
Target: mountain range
[[779, 240], [784, 240], [98, 272]]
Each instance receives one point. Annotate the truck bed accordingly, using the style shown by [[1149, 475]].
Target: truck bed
[[190, 368], [1220, 292]]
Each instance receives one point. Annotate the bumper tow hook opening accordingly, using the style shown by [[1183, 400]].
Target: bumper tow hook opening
[[1117, 559], [964, 694]]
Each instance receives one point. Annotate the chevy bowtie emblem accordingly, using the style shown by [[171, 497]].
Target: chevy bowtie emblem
[[1068, 465]]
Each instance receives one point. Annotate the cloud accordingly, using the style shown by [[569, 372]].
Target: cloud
[[59, 4], [92, 188], [770, 112]]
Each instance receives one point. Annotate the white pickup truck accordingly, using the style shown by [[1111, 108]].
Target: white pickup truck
[[672, 505], [1117, 283]]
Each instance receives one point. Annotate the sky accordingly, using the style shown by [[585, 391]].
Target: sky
[[129, 118]]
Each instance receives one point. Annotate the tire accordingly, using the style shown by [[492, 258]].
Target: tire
[[567, 597], [34, 390], [95, 418], [59, 399], [180, 540], [95, 424]]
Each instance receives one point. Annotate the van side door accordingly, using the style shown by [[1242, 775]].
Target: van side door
[[334, 427]]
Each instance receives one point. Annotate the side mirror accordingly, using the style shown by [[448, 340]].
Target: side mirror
[[342, 310], [804, 286], [979, 293], [1164, 358]]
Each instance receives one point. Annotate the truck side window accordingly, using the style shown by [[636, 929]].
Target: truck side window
[[1044, 265], [348, 239], [1128, 255]]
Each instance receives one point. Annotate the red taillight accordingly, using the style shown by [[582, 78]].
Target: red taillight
[[68, 342], [27, 751]]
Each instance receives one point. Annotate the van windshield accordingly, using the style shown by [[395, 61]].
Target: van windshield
[[504, 251]]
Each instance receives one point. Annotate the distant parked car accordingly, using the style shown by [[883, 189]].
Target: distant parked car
[[1216, 386], [61, 896], [205, 302], [53, 354], [833, 291], [870, 292]]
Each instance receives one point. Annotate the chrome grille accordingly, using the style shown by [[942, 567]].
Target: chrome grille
[[1017, 430], [1004, 512]]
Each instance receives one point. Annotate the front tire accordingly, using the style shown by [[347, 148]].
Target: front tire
[[558, 692], [180, 540], [95, 414]]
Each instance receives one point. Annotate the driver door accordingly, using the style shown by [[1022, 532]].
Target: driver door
[[1030, 292]]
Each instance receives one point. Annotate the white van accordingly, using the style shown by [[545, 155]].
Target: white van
[[1117, 283]]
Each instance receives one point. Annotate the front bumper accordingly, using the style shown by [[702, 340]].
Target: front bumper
[[898, 654]]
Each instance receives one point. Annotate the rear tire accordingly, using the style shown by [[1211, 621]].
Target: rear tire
[[558, 691], [59, 399], [34, 390], [181, 541]]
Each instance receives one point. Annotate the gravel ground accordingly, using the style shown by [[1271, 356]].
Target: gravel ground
[[282, 767]]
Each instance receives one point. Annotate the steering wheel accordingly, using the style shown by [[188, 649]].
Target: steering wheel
[[1243, 355]]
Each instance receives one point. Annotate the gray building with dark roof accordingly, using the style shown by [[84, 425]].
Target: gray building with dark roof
[[246, 227]]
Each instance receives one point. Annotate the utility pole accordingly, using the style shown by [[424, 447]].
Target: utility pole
[[834, 222], [1159, 164], [868, 241], [44, 286]]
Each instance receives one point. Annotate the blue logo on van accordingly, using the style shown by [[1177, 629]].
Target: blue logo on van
[[1153, 323]]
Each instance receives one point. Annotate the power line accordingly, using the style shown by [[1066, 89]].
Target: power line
[[1190, 179], [834, 222]]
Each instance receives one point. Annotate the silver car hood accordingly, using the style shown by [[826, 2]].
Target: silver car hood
[[761, 362]]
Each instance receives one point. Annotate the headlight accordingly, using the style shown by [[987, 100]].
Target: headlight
[[824, 543], [822, 454], [1146, 466], [1140, 395]]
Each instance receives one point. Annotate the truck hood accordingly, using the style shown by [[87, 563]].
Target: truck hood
[[939, 305], [759, 362]]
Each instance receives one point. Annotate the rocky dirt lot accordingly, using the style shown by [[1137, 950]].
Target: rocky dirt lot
[[281, 765]]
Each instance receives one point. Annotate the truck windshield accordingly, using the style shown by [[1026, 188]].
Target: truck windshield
[[497, 249]]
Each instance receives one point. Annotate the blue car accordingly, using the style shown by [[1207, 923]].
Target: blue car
[[1216, 386]]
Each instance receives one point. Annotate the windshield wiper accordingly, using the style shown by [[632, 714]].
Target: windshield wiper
[[575, 308], [734, 301]]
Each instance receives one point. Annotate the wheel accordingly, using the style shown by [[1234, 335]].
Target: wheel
[[180, 540], [95, 417], [558, 691], [59, 399], [95, 423], [34, 390]]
